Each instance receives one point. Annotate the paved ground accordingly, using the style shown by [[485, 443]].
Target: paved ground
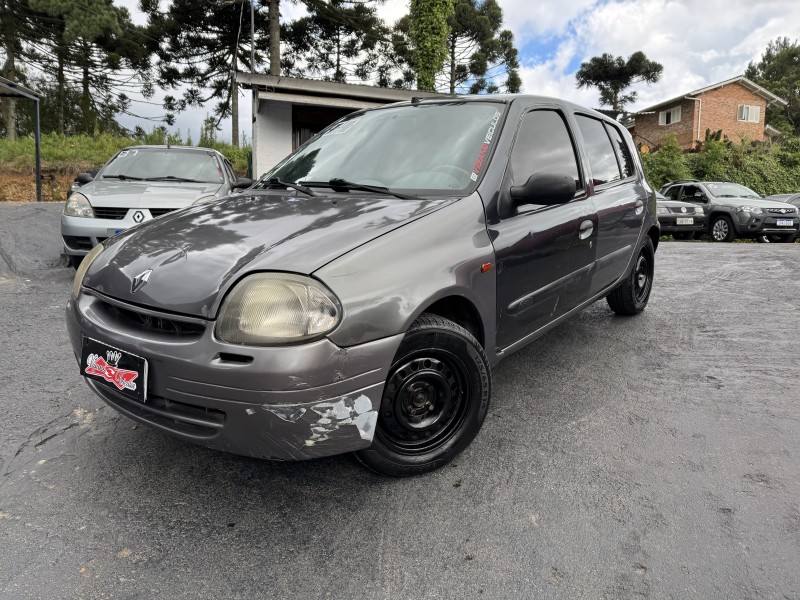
[[657, 456]]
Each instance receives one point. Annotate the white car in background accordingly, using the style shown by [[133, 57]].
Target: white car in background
[[138, 184]]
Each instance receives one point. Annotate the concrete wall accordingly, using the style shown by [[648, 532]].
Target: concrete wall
[[272, 137]]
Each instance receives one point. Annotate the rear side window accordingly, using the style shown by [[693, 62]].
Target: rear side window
[[543, 146], [623, 152], [602, 158]]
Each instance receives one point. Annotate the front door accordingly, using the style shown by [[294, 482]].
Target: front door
[[544, 253]]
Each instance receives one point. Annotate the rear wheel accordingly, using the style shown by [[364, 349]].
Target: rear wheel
[[722, 229], [632, 295], [434, 401]]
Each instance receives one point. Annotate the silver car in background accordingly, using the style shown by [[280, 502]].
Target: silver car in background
[[138, 184]]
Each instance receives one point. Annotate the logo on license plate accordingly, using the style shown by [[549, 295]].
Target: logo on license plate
[[107, 369]]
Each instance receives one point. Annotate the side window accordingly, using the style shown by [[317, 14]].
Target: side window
[[602, 158], [689, 191], [674, 192], [543, 145], [623, 152]]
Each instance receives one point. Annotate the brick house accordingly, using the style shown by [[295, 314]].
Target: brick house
[[736, 106]]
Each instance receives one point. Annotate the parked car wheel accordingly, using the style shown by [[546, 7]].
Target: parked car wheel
[[75, 261], [434, 402], [722, 229], [631, 296], [683, 235]]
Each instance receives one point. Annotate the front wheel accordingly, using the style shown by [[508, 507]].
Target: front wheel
[[722, 229], [434, 401], [631, 296]]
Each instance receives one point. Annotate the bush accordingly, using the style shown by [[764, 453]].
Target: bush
[[667, 164]]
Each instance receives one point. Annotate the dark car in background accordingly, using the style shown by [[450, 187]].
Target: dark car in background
[[681, 220], [733, 210], [357, 297], [138, 184]]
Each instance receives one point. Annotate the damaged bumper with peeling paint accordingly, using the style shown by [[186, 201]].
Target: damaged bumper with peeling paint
[[285, 403]]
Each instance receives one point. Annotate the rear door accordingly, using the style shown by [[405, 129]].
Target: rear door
[[618, 197], [544, 253]]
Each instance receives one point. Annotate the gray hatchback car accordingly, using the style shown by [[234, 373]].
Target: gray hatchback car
[[357, 297], [138, 184]]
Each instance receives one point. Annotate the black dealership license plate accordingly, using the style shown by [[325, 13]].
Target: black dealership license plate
[[123, 371]]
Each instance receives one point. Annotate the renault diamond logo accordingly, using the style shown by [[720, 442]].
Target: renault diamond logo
[[138, 216], [140, 280]]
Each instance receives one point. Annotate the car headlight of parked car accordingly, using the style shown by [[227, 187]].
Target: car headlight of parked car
[[84, 266], [277, 308], [78, 206], [204, 199], [753, 210], [663, 210]]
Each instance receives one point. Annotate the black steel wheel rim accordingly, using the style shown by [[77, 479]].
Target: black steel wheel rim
[[424, 402], [642, 278]]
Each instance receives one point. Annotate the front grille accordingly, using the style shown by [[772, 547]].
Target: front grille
[[152, 324], [190, 419], [780, 211], [157, 212], [101, 212], [689, 211], [77, 242]]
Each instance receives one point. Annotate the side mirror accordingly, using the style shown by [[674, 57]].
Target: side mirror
[[84, 178], [544, 188], [242, 183]]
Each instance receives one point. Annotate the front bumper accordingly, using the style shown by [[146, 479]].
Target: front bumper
[[81, 234], [669, 223], [283, 403], [763, 224]]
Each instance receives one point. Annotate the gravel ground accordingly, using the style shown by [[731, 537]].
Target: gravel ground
[[657, 456]]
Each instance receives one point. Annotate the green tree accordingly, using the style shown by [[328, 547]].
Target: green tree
[[203, 45], [478, 51], [339, 40], [428, 31], [779, 72], [667, 164], [613, 75]]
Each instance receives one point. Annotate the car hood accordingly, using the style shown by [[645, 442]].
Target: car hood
[[760, 202], [676, 204], [113, 193], [197, 254]]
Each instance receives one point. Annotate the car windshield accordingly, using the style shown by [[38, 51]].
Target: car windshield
[[166, 164], [422, 146], [731, 190]]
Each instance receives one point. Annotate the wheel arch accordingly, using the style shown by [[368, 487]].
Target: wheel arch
[[461, 311]]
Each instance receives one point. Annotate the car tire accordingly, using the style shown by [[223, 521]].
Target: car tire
[[75, 261], [683, 235], [434, 401], [631, 296], [722, 229]]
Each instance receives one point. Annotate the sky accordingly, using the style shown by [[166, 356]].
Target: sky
[[699, 42]]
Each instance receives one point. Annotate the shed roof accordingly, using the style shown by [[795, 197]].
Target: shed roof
[[10, 89]]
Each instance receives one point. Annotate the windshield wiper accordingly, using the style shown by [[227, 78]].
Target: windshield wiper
[[123, 177], [342, 185], [174, 178], [274, 181]]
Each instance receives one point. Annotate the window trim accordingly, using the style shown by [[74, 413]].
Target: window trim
[[662, 116], [743, 113]]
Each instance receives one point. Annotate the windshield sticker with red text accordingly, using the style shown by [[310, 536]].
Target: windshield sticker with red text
[[485, 147]]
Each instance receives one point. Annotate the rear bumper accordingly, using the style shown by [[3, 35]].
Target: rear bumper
[[284, 403]]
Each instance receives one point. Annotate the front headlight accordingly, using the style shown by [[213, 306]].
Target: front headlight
[[78, 206], [753, 210], [277, 308], [204, 199], [663, 210], [84, 266]]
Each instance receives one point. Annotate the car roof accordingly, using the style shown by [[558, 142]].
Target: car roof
[[169, 147]]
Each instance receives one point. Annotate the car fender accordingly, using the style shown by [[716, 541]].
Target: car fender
[[385, 284]]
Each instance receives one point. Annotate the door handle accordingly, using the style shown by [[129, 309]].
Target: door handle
[[586, 229]]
